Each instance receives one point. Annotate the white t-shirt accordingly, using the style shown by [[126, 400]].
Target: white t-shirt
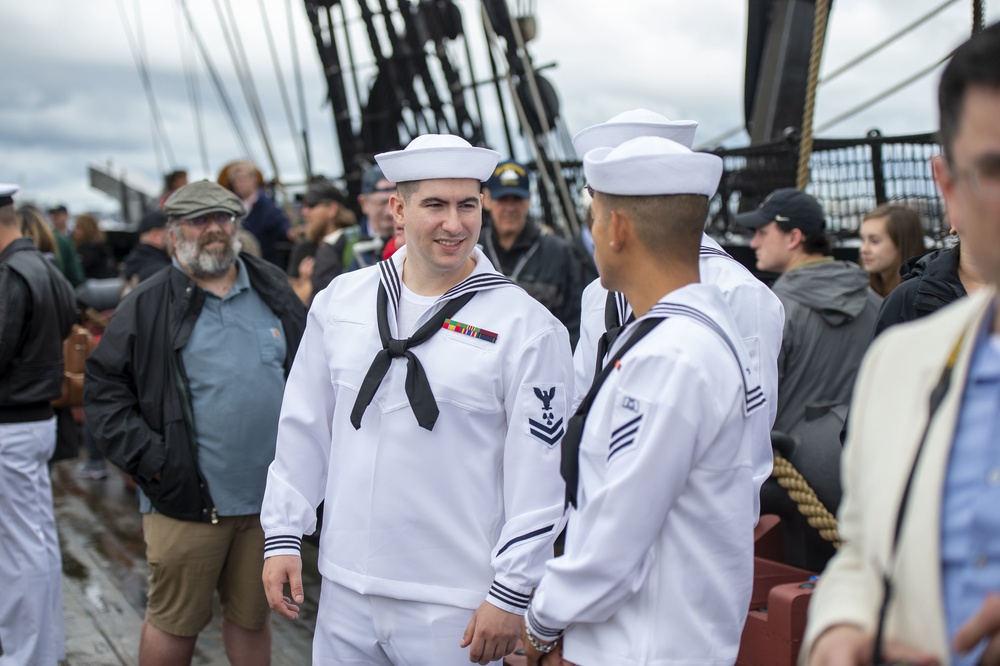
[[412, 307]]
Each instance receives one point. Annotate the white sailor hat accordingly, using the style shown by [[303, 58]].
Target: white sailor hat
[[438, 156], [631, 125], [7, 191], [652, 166]]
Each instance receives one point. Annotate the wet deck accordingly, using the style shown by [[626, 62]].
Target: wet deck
[[105, 580]]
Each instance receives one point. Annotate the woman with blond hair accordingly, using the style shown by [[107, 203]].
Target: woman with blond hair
[[33, 225], [890, 235]]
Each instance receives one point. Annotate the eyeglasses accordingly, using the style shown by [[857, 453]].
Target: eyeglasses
[[983, 176], [590, 190], [202, 221]]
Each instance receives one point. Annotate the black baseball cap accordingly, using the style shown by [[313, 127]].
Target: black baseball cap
[[792, 208], [154, 219], [323, 191]]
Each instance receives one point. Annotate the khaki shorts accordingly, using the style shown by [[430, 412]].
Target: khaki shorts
[[188, 561]]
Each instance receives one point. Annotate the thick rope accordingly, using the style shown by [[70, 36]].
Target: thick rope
[[819, 516], [822, 12]]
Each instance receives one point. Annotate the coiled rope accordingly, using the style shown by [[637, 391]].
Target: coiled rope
[[818, 516]]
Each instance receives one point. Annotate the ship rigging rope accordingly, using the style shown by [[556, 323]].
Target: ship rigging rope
[[242, 66], [818, 516], [887, 93], [558, 189], [193, 87], [160, 140], [299, 88], [282, 89], [886, 42], [227, 105], [820, 16], [717, 140]]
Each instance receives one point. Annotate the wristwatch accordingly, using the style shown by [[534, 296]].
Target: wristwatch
[[539, 644]]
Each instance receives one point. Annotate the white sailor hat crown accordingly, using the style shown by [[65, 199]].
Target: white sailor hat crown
[[652, 166], [7, 191], [631, 125], [438, 156]]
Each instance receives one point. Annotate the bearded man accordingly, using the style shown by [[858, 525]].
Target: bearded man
[[183, 393]]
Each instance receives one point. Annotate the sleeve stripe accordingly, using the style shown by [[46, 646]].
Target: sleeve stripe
[[525, 537], [541, 630], [519, 601], [282, 542]]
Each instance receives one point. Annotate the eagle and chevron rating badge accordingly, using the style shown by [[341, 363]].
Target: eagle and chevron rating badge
[[548, 428]]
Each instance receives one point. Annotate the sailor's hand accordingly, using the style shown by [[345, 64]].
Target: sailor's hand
[[492, 634], [983, 626], [555, 658], [279, 570]]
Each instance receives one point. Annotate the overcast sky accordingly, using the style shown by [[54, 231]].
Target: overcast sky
[[73, 95]]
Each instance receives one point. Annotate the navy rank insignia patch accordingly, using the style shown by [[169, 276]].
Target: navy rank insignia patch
[[545, 411]]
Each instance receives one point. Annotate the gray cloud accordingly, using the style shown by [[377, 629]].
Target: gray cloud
[[74, 96]]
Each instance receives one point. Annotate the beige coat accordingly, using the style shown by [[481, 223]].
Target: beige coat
[[888, 414]]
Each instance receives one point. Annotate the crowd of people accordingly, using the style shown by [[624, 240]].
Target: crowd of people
[[457, 394]]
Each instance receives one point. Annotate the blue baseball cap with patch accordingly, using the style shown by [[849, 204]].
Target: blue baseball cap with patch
[[509, 179]]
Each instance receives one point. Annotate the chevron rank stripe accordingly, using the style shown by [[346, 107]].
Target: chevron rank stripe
[[471, 331], [548, 434]]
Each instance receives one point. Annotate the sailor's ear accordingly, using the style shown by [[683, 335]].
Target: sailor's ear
[[397, 205]]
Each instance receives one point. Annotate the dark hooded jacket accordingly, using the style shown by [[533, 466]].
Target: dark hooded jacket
[[829, 316], [929, 283]]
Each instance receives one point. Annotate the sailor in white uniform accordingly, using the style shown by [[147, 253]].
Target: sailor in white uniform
[[758, 313], [426, 406], [658, 565]]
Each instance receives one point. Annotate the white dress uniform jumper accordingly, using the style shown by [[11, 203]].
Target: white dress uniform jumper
[[439, 460], [757, 312], [658, 567]]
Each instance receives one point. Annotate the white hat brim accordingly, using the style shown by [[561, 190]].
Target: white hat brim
[[401, 166], [647, 167], [613, 134]]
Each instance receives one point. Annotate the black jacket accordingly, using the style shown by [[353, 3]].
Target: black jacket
[[929, 283], [37, 311], [143, 262], [136, 395], [543, 265]]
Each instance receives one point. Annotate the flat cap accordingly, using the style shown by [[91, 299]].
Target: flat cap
[[201, 197]]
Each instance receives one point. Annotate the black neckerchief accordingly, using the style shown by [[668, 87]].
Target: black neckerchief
[[418, 389], [569, 467]]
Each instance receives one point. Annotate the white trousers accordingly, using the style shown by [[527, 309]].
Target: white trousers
[[31, 612], [354, 629]]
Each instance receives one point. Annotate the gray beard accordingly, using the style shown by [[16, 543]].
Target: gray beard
[[203, 264]]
